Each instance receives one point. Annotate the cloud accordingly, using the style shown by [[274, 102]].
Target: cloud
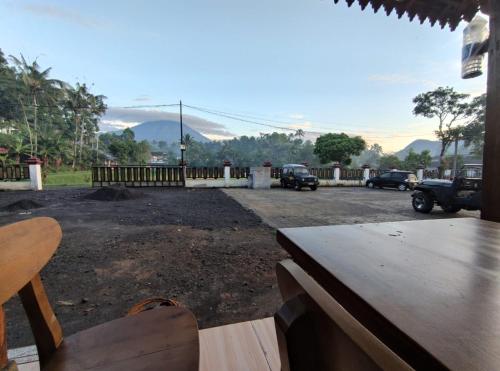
[[56, 12], [400, 79], [143, 98], [296, 116], [118, 118]]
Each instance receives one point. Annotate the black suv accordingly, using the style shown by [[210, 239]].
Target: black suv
[[298, 176], [401, 180]]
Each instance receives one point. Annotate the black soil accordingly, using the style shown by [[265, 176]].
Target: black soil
[[113, 194], [21, 205], [199, 247]]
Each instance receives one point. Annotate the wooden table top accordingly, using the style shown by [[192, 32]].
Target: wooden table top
[[428, 289]]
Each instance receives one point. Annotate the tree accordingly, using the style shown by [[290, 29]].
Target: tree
[[390, 162], [36, 88], [370, 156], [125, 148], [338, 148], [448, 107], [299, 133], [413, 160], [473, 132], [84, 109]]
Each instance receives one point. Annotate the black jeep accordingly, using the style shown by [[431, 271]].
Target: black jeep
[[297, 176], [462, 193]]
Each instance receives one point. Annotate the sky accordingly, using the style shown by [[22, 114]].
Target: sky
[[306, 64]]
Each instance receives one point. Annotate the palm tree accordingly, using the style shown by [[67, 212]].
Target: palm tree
[[84, 107], [36, 87], [188, 140], [19, 148], [299, 133]]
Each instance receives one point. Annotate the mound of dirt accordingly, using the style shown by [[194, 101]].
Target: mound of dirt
[[24, 204], [116, 193]]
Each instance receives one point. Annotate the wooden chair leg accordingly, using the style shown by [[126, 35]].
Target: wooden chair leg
[[44, 324], [5, 364]]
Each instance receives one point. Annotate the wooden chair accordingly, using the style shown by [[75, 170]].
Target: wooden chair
[[316, 333], [165, 338]]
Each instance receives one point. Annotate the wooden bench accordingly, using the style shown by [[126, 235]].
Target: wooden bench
[[164, 338]]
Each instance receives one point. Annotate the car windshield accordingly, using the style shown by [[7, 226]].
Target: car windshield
[[301, 171]]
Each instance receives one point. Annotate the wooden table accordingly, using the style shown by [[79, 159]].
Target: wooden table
[[430, 290]]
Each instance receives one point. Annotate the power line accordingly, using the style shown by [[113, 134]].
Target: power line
[[245, 120], [234, 117]]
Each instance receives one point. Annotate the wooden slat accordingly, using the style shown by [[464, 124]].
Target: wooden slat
[[246, 346], [266, 333]]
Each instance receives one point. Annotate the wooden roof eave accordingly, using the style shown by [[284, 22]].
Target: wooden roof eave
[[443, 12]]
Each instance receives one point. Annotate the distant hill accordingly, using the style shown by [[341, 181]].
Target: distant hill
[[434, 146], [169, 131]]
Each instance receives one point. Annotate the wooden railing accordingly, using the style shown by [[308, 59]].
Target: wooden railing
[[322, 172], [14, 172], [138, 176], [239, 172], [204, 172], [351, 174]]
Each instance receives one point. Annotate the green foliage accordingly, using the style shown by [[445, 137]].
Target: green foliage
[[125, 149], [390, 162], [473, 133], [448, 107], [413, 160], [244, 151], [45, 117], [338, 148], [68, 178], [448, 161], [370, 156]]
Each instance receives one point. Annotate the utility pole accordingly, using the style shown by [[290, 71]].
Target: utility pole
[[455, 159], [182, 136], [183, 147]]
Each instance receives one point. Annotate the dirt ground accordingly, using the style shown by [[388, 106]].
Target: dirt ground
[[199, 247], [283, 208]]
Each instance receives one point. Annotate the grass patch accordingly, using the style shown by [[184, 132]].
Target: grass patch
[[68, 178]]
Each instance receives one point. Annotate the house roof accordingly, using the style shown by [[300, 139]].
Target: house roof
[[443, 12]]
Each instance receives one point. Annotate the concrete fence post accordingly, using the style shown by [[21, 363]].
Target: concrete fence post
[[35, 169], [227, 172], [366, 172], [336, 172], [420, 173]]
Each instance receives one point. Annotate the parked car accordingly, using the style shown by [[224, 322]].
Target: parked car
[[297, 176], [462, 193], [399, 179]]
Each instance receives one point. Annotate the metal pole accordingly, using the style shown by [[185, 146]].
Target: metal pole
[[455, 159], [183, 165], [182, 136]]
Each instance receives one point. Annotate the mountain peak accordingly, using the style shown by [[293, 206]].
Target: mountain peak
[[166, 130]]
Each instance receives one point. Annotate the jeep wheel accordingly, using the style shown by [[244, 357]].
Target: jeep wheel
[[297, 186], [422, 202], [402, 187], [451, 209], [313, 188], [370, 185]]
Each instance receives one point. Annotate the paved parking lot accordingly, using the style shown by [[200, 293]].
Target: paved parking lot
[[282, 208]]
